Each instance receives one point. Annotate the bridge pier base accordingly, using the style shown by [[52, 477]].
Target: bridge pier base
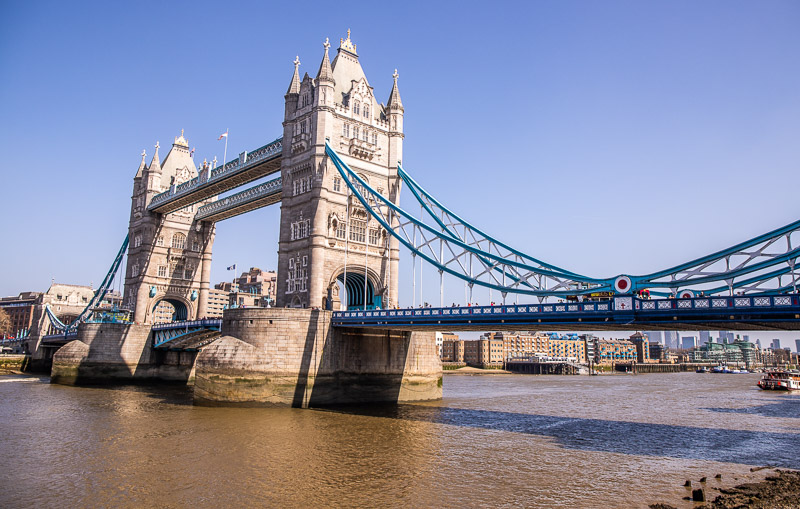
[[293, 357], [117, 353]]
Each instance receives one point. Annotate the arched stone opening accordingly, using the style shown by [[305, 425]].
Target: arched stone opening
[[353, 293], [296, 302], [169, 309]]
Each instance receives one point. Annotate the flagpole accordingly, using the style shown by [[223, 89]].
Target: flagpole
[[225, 155]]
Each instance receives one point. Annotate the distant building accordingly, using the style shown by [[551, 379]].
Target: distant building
[[671, 339], [20, 311], [725, 337], [738, 351], [254, 288], [797, 345], [441, 337], [688, 342], [776, 344], [705, 336], [615, 350], [657, 352], [655, 336], [642, 346], [483, 352], [590, 344], [452, 350], [517, 345], [217, 302], [568, 346]]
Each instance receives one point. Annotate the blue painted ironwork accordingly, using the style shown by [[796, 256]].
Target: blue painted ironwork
[[99, 295], [763, 264], [59, 339], [186, 335], [770, 312], [459, 258], [259, 192], [239, 165]]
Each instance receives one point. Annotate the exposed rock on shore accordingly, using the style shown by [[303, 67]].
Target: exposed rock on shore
[[779, 491]]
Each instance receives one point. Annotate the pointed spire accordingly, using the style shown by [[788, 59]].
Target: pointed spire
[[325, 72], [155, 164], [294, 86], [394, 95], [142, 165]]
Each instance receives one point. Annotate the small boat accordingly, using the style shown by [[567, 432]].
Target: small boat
[[704, 369], [780, 381]]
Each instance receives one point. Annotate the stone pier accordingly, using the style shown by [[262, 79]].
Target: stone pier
[[118, 353], [293, 357]]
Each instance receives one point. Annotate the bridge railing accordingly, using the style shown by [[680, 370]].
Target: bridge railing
[[618, 305], [244, 161], [706, 303], [61, 337], [254, 193], [593, 307], [189, 324]]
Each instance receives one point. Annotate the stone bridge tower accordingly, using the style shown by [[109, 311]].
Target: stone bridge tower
[[318, 245], [169, 255]]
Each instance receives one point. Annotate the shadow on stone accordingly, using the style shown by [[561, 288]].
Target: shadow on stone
[[293, 357], [114, 353]]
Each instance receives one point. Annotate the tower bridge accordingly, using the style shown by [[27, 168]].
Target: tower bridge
[[336, 333]]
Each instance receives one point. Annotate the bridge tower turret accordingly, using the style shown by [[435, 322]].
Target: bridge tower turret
[[169, 255], [325, 232]]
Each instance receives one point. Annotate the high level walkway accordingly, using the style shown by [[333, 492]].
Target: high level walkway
[[249, 166]]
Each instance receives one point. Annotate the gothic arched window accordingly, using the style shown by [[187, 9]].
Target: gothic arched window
[[356, 108], [179, 241], [366, 110]]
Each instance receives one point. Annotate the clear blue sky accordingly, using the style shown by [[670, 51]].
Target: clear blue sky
[[605, 137]]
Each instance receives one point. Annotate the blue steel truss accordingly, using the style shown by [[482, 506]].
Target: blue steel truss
[[764, 264], [98, 296]]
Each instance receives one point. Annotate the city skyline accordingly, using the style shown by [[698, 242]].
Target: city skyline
[[571, 105]]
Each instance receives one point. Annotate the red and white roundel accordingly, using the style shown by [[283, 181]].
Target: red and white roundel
[[686, 294], [623, 284]]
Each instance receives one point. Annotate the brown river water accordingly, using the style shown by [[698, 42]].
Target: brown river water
[[493, 441]]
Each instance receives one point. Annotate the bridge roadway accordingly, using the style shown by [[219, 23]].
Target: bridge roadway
[[763, 312], [249, 166]]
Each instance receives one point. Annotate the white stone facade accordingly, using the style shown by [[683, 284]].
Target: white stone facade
[[169, 255], [316, 240]]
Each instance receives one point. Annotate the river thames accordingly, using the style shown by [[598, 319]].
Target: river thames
[[498, 440]]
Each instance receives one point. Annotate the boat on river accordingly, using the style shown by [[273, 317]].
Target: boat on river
[[780, 381]]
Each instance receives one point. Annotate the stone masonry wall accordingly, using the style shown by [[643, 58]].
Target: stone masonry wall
[[293, 357], [112, 352]]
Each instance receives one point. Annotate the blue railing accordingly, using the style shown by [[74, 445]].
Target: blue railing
[[69, 336], [189, 324], [621, 309]]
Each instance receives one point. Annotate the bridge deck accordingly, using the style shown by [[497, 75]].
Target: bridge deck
[[249, 166], [779, 312], [256, 197], [186, 336]]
